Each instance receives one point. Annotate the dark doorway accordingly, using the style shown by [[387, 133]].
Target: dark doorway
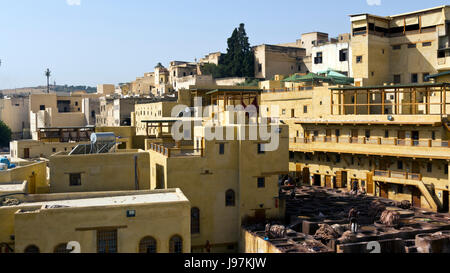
[[384, 190], [317, 180], [26, 153], [344, 180], [416, 196], [445, 203], [415, 138]]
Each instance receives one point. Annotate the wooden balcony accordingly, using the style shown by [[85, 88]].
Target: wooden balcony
[[400, 175], [373, 141]]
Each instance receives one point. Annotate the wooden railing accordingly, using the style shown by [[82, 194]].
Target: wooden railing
[[373, 141], [401, 175]]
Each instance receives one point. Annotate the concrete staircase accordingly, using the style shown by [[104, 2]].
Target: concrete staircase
[[430, 196]]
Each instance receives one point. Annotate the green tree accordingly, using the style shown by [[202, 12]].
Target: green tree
[[239, 60], [5, 134]]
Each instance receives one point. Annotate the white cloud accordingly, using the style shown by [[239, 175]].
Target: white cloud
[[370, 2], [78, 2]]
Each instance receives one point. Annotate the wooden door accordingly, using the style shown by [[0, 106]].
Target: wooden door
[[384, 190], [26, 153], [260, 215], [306, 176], [298, 171], [328, 182], [339, 179], [369, 183], [416, 196]]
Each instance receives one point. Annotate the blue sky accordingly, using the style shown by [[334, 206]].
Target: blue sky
[[86, 42]]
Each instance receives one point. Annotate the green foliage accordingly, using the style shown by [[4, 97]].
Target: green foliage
[[5, 135], [239, 60], [250, 82]]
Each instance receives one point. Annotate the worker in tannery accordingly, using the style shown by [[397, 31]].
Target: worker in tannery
[[353, 217]]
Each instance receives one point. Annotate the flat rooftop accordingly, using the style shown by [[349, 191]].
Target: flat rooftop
[[102, 200]]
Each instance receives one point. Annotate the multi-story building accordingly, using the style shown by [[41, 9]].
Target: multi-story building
[[336, 55], [391, 141], [57, 111], [400, 49], [14, 112], [237, 177], [271, 60], [116, 111]]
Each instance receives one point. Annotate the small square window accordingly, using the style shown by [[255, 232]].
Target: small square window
[[414, 78], [75, 179], [425, 77], [42, 107], [359, 59], [53, 150], [261, 182]]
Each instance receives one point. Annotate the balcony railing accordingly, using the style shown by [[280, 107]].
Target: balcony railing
[[372, 141], [170, 150], [401, 175]]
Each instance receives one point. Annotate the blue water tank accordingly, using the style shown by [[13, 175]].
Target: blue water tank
[[5, 160]]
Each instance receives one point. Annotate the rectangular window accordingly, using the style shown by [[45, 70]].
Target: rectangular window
[[305, 109], [429, 167], [107, 241], [343, 55], [399, 188], [397, 79], [292, 113], [367, 133], [396, 47], [319, 58], [433, 135], [261, 182], [291, 155], [425, 77], [359, 59], [75, 179], [412, 45], [426, 44], [338, 158], [400, 165], [283, 111], [42, 107], [386, 133], [414, 78], [338, 132], [221, 148]]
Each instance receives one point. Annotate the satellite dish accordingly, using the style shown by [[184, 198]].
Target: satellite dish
[[390, 118]]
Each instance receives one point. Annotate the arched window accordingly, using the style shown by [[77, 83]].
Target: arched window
[[230, 198], [195, 221], [61, 248], [176, 244], [147, 245], [32, 249]]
